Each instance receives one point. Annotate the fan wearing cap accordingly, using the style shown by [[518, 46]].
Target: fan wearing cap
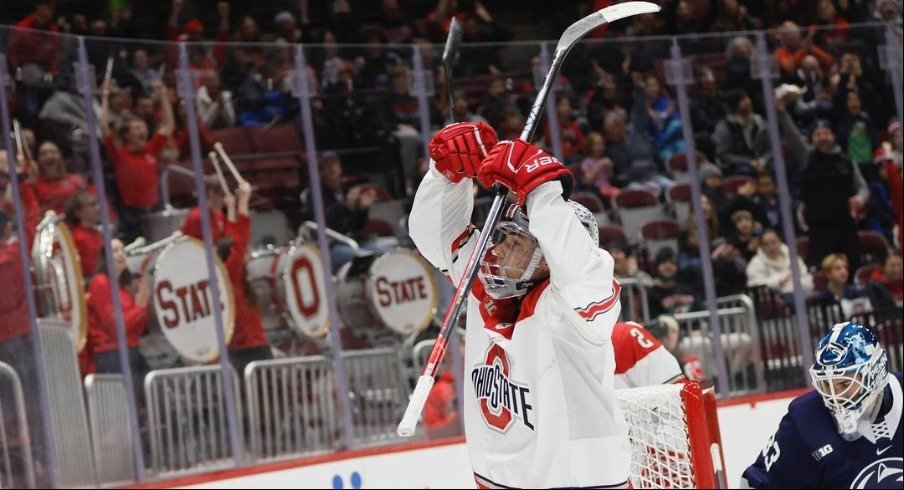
[[846, 433], [539, 402], [832, 189]]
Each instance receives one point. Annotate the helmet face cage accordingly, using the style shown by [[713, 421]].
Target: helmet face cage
[[850, 372], [510, 262]]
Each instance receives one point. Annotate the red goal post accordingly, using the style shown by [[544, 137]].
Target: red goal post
[[674, 436]]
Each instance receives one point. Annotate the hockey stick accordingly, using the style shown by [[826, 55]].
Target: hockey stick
[[449, 54], [569, 38], [228, 161]]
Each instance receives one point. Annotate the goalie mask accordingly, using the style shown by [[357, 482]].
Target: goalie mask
[[850, 373], [514, 263]]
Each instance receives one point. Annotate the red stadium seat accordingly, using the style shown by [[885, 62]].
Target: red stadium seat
[[634, 208], [865, 273], [678, 167], [236, 141], [679, 197], [803, 247], [873, 247], [820, 281], [276, 139], [377, 227], [612, 233], [659, 234], [589, 200], [731, 183]]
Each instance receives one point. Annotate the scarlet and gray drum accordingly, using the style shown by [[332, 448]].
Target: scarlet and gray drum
[[182, 298], [394, 292], [58, 277], [289, 285]]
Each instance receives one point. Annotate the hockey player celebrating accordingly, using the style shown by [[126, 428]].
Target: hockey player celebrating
[[847, 433], [540, 408]]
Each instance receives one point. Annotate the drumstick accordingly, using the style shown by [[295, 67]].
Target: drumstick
[[235, 173], [216, 166], [22, 147], [161, 71], [108, 74]]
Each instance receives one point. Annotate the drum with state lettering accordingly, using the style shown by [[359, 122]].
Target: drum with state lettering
[[394, 292], [182, 297], [289, 284], [58, 278]]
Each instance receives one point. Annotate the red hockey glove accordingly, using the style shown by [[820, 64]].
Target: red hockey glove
[[522, 167], [459, 148]]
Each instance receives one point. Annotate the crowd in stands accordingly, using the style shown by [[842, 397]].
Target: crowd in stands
[[618, 122]]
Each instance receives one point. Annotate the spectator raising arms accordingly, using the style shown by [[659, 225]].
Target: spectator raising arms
[[102, 339], [52, 185], [248, 343], [832, 190], [135, 161]]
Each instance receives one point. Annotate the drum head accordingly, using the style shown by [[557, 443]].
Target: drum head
[[306, 298], [183, 300], [60, 273], [403, 291]]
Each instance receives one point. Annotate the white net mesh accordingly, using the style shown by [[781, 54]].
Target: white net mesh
[[658, 433]]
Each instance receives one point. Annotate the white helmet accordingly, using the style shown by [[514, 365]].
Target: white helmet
[[511, 265]]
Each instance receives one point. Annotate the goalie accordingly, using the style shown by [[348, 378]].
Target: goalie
[[540, 408]]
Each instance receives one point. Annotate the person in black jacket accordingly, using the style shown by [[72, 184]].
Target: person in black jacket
[[345, 210], [832, 189]]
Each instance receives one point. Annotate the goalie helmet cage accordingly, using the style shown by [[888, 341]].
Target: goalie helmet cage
[[674, 436]]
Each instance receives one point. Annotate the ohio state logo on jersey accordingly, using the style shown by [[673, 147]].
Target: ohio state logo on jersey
[[501, 399]]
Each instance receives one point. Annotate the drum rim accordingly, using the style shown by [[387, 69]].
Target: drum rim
[[58, 231], [369, 287], [226, 290], [290, 255]]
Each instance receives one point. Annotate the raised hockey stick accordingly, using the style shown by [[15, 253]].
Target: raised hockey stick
[[453, 41], [569, 38]]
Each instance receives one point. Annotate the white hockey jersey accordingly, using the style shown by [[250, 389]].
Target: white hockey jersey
[[640, 359], [540, 408]]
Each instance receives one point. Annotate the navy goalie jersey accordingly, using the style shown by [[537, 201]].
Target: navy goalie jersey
[[807, 451]]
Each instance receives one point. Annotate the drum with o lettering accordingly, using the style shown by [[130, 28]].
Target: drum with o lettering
[[58, 278], [289, 285], [395, 292], [183, 300]]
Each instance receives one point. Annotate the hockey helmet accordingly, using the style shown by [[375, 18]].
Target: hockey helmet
[[513, 263], [850, 373]]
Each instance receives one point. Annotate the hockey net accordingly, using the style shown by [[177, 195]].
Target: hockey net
[[674, 436]]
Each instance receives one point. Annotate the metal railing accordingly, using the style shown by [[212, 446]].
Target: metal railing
[[108, 408], [291, 407], [635, 305], [69, 420], [187, 420], [739, 337], [16, 466], [378, 393]]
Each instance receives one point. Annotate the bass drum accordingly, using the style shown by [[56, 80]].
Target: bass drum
[[395, 292], [182, 298], [290, 287], [58, 278]]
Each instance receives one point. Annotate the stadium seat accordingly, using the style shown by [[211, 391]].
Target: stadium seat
[[679, 197], [731, 183], [275, 139], [658, 234], [269, 226], [873, 247], [589, 200], [678, 167], [820, 280], [377, 227], [803, 247], [611, 233], [634, 208], [236, 141], [864, 273]]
